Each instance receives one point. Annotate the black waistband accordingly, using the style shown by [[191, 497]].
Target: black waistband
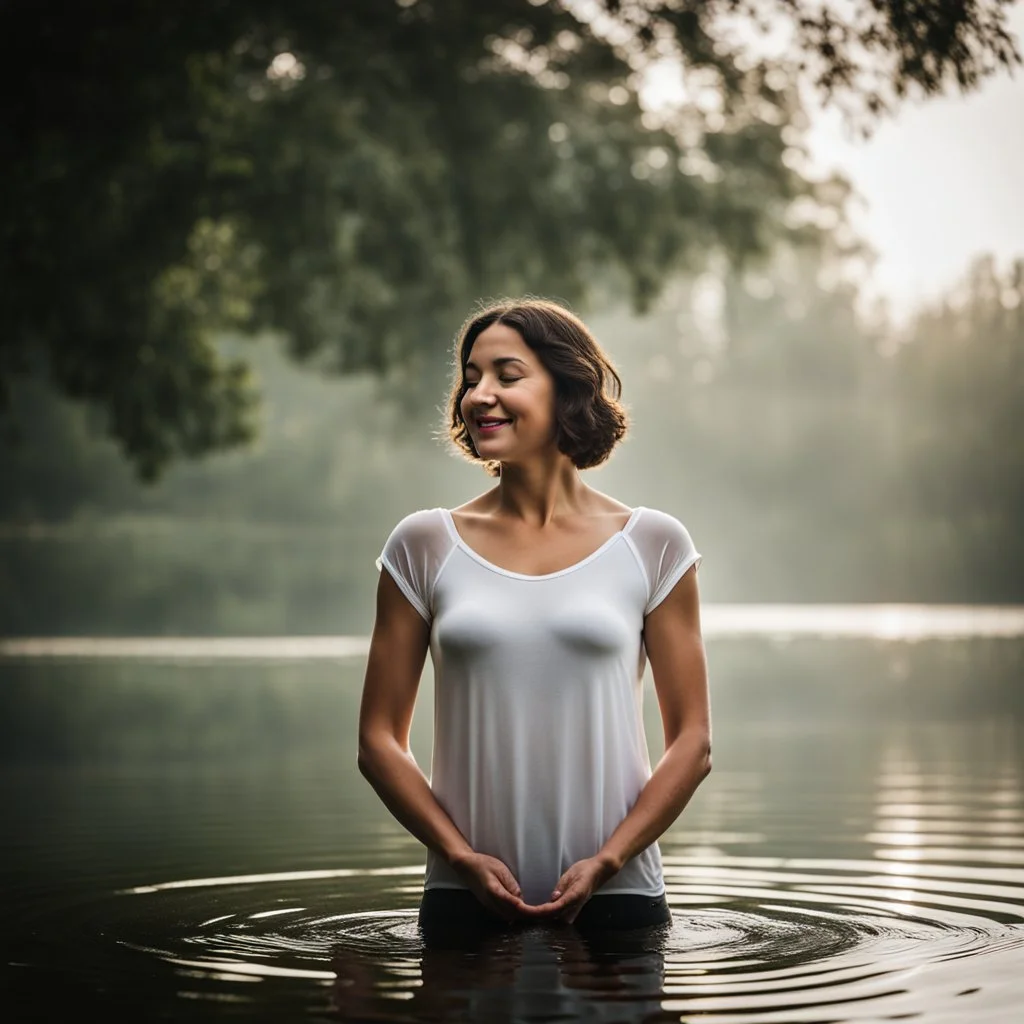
[[448, 915]]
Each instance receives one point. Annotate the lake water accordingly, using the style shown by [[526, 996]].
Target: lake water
[[185, 836]]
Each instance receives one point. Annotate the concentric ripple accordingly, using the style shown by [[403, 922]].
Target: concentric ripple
[[752, 939]]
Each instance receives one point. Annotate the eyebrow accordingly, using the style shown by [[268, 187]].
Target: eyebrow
[[500, 361]]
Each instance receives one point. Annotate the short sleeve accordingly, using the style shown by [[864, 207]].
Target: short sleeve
[[413, 554], [665, 550]]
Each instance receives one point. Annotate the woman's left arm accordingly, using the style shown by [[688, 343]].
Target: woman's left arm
[[675, 649]]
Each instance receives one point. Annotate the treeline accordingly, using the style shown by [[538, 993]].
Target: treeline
[[815, 454], [832, 458]]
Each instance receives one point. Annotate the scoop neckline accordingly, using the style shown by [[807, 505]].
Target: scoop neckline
[[476, 556]]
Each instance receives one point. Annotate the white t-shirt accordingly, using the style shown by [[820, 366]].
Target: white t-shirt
[[539, 748]]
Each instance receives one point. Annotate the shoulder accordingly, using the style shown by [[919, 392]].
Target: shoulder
[[479, 505], [424, 521], [605, 504], [415, 552], [654, 525], [665, 551], [422, 530]]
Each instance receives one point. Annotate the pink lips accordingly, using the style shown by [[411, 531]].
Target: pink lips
[[488, 428]]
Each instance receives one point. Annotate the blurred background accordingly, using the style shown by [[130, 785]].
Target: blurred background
[[238, 249]]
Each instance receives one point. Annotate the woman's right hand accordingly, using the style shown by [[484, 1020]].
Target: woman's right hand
[[493, 884]]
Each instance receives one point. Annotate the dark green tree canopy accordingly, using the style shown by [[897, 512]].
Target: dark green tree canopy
[[355, 175]]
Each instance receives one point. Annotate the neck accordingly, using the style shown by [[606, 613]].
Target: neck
[[539, 491]]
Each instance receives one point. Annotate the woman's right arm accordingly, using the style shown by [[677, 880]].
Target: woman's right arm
[[398, 650]]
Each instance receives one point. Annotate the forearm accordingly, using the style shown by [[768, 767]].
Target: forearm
[[682, 768], [404, 790]]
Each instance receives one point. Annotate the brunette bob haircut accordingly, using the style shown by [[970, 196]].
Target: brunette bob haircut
[[590, 419]]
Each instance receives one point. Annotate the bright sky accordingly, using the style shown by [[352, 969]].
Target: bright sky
[[938, 183], [943, 181]]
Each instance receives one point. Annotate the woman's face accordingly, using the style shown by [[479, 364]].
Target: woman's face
[[505, 381]]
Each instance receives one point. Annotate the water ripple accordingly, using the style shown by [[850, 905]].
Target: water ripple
[[753, 939]]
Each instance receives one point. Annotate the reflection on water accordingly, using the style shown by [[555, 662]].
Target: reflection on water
[[870, 621], [750, 936], [193, 841]]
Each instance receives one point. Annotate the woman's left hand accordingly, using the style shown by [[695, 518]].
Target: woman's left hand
[[576, 886]]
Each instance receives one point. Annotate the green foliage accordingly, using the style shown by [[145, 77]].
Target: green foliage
[[355, 175], [813, 454]]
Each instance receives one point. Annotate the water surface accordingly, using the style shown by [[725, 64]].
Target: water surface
[[187, 837]]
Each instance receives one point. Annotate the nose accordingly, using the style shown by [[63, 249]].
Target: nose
[[480, 395]]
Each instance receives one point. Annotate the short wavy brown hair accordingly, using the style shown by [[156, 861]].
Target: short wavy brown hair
[[590, 419]]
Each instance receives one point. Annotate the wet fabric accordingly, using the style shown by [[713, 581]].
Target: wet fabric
[[539, 748]]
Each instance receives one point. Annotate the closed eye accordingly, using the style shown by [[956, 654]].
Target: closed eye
[[504, 380]]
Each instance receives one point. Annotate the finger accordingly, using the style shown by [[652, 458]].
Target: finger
[[503, 906], [570, 891], [563, 884], [499, 892], [507, 879], [571, 907], [551, 908], [574, 896], [517, 907], [534, 910]]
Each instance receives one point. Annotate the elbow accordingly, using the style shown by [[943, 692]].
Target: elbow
[[704, 758], [376, 752], [693, 751], [367, 758]]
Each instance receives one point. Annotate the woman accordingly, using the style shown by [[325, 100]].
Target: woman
[[539, 602]]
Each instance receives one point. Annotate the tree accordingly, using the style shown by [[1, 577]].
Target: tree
[[355, 175], [960, 375]]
